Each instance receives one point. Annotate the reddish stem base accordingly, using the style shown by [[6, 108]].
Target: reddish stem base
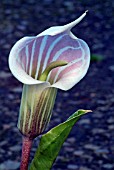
[[27, 144]]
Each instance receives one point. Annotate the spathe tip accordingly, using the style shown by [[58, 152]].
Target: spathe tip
[[86, 11], [59, 29], [75, 22]]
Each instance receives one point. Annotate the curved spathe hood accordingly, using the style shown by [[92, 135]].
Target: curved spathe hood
[[31, 55]]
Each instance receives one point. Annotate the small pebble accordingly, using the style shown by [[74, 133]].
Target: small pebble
[[71, 140], [98, 131], [91, 147], [84, 121], [78, 153], [9, 165], [101, 151], [5, 75], [84, 168], [69, 149], [111, 68], [17, 89], [108, 166], [15, 148], [72, 167], [111, 127]]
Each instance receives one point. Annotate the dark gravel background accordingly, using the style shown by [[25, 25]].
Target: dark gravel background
[[90, 145]]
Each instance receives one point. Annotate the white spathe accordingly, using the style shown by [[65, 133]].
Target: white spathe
[[63, 78]]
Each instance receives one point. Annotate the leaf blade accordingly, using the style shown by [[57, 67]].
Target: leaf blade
[[52, 141]]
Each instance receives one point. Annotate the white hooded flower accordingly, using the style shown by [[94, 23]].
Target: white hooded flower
[[28, 60]]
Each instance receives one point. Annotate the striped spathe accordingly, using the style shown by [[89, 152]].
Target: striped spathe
[[28, 60]]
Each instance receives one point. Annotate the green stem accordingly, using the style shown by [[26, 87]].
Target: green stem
[[27, 144]]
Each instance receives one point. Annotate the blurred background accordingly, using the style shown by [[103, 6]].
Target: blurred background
[[90, 145]]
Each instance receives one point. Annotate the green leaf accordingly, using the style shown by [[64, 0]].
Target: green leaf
[[96, 58], [52, 141]]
